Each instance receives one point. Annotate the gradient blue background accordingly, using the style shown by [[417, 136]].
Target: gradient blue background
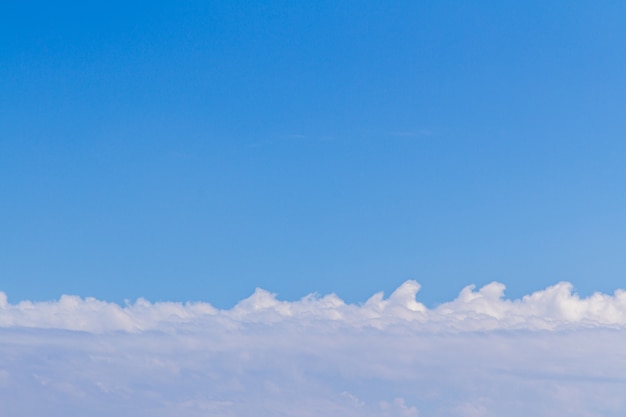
[[194, 150]]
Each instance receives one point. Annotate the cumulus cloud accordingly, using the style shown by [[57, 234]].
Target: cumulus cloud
[[473, 310], [550, 353]]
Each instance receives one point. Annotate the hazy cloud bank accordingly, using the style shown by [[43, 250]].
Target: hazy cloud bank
[[473, 310], [550, 353]]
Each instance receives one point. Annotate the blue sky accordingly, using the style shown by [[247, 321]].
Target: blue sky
[[197, 150], [243, 155]]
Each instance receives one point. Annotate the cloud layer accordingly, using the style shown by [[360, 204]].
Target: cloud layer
[[473, 310], [550, 353]]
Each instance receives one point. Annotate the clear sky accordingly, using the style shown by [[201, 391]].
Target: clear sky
[[195, 150]]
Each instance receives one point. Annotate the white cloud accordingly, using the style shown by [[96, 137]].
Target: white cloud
[[473, 310], [550, 353], [398, 408]]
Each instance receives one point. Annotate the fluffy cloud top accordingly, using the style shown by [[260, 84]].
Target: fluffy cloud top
[[473, 310], [550, 353]]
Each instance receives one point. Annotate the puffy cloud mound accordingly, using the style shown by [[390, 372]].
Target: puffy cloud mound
[[473, 310], [550, 353]]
